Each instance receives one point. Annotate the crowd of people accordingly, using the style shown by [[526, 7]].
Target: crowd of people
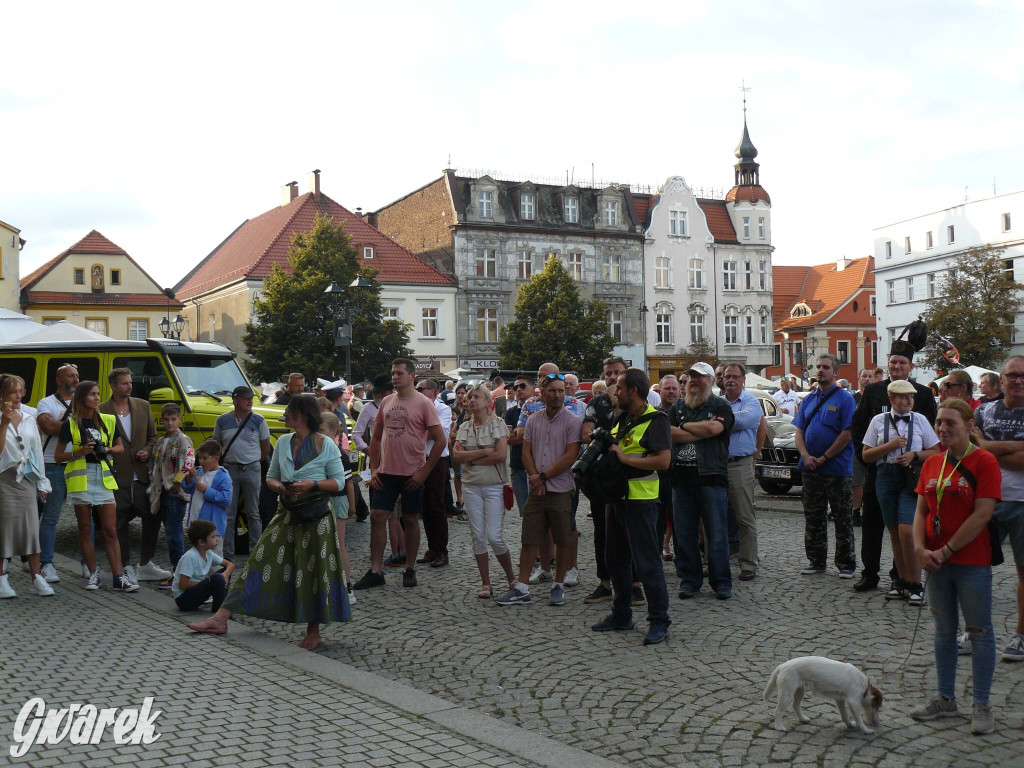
[[668, 469]]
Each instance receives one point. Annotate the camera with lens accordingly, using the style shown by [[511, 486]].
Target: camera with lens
[[99, 450], [600, 441]]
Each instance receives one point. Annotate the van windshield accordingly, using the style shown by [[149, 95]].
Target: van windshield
[[216, 375]]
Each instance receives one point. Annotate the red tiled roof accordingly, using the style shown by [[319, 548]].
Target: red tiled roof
[[94, 242], [259, 244], [718, 220], [748, 194], [131, 299], [643, 204], [824, 289]]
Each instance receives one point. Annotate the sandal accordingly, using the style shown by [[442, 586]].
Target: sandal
[[668, 556], [485, 592], [462, 517]]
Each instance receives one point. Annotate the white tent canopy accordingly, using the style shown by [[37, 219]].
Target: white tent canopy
[[974, 371], [63, 331], [756, 381], [14, 326]]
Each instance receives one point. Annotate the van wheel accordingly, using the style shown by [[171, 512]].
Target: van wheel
[[774, 486]]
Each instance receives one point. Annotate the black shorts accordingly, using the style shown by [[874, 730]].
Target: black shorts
[[391, 488]]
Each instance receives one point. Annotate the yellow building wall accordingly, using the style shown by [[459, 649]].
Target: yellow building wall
[[62, 277], [117, 317], [9, 256], [221, 317]]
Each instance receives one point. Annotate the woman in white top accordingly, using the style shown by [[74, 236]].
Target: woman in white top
[[22, 478], [481, 446]]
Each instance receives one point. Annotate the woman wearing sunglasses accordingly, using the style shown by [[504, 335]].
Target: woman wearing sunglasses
[[958, 384], [957, 493], [22, 479]]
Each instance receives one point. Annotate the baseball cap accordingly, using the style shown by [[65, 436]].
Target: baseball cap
[[243, 392], [702, 368], [901, 388]]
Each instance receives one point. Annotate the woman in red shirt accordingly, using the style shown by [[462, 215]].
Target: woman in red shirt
[[957, 492]]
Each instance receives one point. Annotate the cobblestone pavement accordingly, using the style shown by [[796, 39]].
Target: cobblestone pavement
[[697, 698]]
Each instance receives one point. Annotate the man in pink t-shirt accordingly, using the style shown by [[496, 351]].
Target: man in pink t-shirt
[[404, 423]]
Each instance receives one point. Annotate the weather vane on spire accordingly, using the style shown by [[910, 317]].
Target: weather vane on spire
[[744, 88]]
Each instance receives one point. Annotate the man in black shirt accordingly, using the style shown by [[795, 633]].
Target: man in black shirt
[[875, 400]]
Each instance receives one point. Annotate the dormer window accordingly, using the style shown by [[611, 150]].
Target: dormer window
[[528, 206], [367, 251], [485, 204], [800, 310], [572, 210], [611, 213]]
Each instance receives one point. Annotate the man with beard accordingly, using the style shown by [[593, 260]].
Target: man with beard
[[875, 400], [826, 458], [701, 423]]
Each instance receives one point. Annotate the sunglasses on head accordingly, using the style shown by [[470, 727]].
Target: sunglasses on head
[[553, 376]]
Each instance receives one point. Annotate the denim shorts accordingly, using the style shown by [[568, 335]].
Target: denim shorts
[[898, 504], [1010, 515], [94, 495], [391, 489]]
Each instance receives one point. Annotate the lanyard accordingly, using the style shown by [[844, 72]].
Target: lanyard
[[941, 487]]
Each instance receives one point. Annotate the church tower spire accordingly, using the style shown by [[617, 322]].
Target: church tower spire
[[748, 175]]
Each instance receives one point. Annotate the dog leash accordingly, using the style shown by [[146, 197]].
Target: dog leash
[[917, 624]]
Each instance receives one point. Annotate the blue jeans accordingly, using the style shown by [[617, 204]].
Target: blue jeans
[[51, 512], [172, 511], [970, 586], [693, 503], [521, 486], [898, 503]]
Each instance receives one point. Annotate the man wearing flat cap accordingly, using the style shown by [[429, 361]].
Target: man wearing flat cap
[[245, 441], [873, 401]]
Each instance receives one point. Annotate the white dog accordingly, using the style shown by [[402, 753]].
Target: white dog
[[843, 683]]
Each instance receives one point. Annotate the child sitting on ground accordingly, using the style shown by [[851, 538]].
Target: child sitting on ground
[[173, 459], [330, 426], [194, 584], [210, 488]]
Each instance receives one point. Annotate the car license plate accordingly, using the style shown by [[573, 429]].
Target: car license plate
[[777, 472]]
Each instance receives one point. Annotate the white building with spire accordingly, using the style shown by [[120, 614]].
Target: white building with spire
[[707, 270]]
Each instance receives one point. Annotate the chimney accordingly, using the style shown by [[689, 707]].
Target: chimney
[[314, 183], [289, 192], [842, 263]]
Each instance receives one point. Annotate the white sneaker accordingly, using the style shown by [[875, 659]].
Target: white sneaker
[[40, 587], [85, 571], [964, 647], [94, 580], [572, 577], [151, 572], [539, 575], [128, 574], [351, 594], [50, 573], [5, 587]]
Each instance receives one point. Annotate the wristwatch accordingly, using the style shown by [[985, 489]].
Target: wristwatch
[[544, 476], [316, 485]]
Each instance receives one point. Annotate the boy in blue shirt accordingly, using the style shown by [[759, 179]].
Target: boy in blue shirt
[[210, 487], [193, 582]]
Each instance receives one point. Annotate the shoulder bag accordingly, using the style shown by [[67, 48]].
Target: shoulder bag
[[993, 524]]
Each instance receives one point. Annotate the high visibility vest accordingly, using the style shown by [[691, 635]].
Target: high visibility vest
[[645, 487], [76, 473]]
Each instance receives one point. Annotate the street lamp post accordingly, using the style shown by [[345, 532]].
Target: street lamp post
[[344, 317], [171, 329]]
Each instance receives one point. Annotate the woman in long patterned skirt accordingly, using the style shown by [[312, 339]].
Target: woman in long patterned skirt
[[294, 573]]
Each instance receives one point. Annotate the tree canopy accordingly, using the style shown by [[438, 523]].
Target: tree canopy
[[975, 309], [293, 319], [553, 324]]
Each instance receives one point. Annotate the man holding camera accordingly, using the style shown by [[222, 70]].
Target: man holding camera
[[643, 446]]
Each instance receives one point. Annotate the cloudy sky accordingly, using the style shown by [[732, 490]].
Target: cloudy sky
[[165, 126]]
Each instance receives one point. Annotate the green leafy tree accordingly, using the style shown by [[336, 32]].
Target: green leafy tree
[[293, 319], [553, 324], [976, 309]]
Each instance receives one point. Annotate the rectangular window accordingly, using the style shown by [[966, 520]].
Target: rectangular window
[[52, 320], [872, 306], [138, 330], [428, 322], [931, 285], [576, 265], [950, 234], [527, 206], [746, 227], [696, 326], [762, 275], [389, 313], [910, 289], [661, 272], [843, 352], [487, 324], [748, 275], [367, 251], [928, 242], [97, 324], [572, 210], [888, 249], [749, 328], [729, 275], [906, 245], [798, 353], [678, 223], [615, 325], [487, 263], [696, 273], [79, 276], [611, 214], [764, 329], [1006, 222], [891, 287], [776, 354], [115, 277], [760, 228], [1008, 269], [610, 268], [663, 326], [485, 205], [874, 351], [732, 329], [525, 265]]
